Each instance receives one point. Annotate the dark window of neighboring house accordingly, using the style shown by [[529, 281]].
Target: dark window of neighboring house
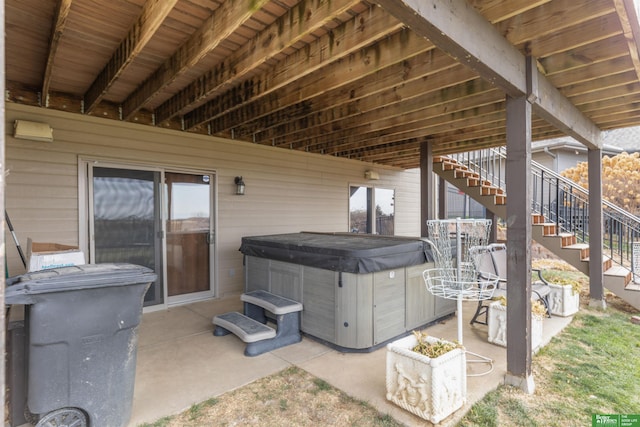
[[371, 210]]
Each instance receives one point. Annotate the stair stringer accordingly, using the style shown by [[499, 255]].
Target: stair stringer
[[617, 279], [574, 254], [488, 201]]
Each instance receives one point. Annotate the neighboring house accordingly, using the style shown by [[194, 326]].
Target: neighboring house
[[559, 154], [564, 153], [628, 139]]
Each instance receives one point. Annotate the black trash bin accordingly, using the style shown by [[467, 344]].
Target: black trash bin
[[81, 341]]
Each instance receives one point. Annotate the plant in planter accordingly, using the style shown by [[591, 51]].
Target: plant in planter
[[497, 322], [426, 376], [564, 298]]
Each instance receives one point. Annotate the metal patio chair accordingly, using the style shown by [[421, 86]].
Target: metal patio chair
[[492, 259]]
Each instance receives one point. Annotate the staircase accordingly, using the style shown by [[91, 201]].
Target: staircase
[[560, 227]]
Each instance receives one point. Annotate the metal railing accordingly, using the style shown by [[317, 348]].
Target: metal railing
[[563, 202]]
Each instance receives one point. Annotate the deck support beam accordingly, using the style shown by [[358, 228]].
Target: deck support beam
[[2, 203], [427, 187], [443, 198], [518, 175], [493, 233], [446, 24], [596, 277]]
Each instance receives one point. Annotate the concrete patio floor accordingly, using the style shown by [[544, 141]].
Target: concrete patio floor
[[180, 362]]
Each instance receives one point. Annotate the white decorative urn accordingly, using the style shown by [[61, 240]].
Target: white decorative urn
[[497, 324], [431, 388], [563, 300]]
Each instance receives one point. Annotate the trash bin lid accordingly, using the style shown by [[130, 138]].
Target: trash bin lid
[[76, 277]]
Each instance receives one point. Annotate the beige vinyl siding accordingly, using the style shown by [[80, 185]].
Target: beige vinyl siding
[[287, 190], [407, 202]]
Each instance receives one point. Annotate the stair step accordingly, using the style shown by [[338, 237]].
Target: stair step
[[537, 219], [548, 228], [568, 239], [633, 287], [490, 190], [577, 246], [452, 166], [271, 302], [246, 328], [445, 159], [501, 199], [464, 174], [564, 234], [620, 271], [607, 263], [582, 247]]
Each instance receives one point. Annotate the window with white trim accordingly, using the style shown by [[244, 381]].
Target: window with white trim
[[371, 210]]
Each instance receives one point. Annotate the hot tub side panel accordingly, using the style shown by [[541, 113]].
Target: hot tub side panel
[[422, 306], [354, 322], [286, 279], [256, 274], [388, 304], [349, 310], [280, 278], [319, 312]]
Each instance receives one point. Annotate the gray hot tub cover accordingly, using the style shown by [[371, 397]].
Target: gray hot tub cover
[[343, 252]]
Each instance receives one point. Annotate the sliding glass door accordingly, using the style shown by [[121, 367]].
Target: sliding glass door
[[189, 234], [131, 212], [127, 223]]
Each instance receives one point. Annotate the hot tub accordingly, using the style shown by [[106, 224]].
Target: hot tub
[[358, 291]]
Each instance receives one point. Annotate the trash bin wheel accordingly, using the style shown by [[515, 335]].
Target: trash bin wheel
[[30, 417], [65, 417]]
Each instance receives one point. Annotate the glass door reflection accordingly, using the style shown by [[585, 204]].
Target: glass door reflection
[[189, 233]]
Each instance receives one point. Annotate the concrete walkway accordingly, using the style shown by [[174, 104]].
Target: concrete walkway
[[180, 362]]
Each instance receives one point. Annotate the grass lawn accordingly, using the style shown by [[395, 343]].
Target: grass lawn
[[592, 367], [292, 397]]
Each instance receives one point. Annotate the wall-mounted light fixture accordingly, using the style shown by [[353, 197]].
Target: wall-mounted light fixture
[[371, 175], [239, 186], [35, 131]]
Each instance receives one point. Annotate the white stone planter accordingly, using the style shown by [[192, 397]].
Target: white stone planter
[[430, 388], [497, 324], [562, 301]]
